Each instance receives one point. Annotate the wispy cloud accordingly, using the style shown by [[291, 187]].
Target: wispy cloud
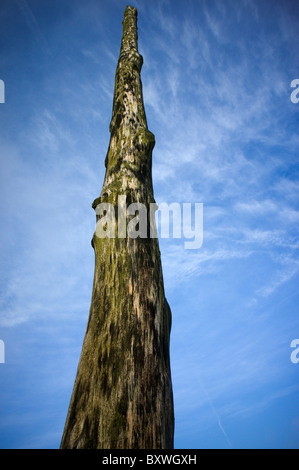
[[180, 265], [288, 269], [51, 222], [32, 22]]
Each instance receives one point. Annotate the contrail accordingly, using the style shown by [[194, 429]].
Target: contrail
[[217, 415]]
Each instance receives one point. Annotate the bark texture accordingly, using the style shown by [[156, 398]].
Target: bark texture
[[122, 396]]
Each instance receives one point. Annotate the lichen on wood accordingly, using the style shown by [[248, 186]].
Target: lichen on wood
[[122, 396]]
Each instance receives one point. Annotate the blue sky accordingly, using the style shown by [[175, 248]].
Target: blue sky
[[216, 82]]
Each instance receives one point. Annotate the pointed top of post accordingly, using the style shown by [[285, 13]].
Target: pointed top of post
[[130, 10], [130, 37], [131, 143], [128, 109]]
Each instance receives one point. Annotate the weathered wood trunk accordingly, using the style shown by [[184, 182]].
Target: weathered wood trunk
[[122, 396]]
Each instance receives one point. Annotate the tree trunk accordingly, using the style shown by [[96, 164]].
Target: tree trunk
[[122, 396]]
